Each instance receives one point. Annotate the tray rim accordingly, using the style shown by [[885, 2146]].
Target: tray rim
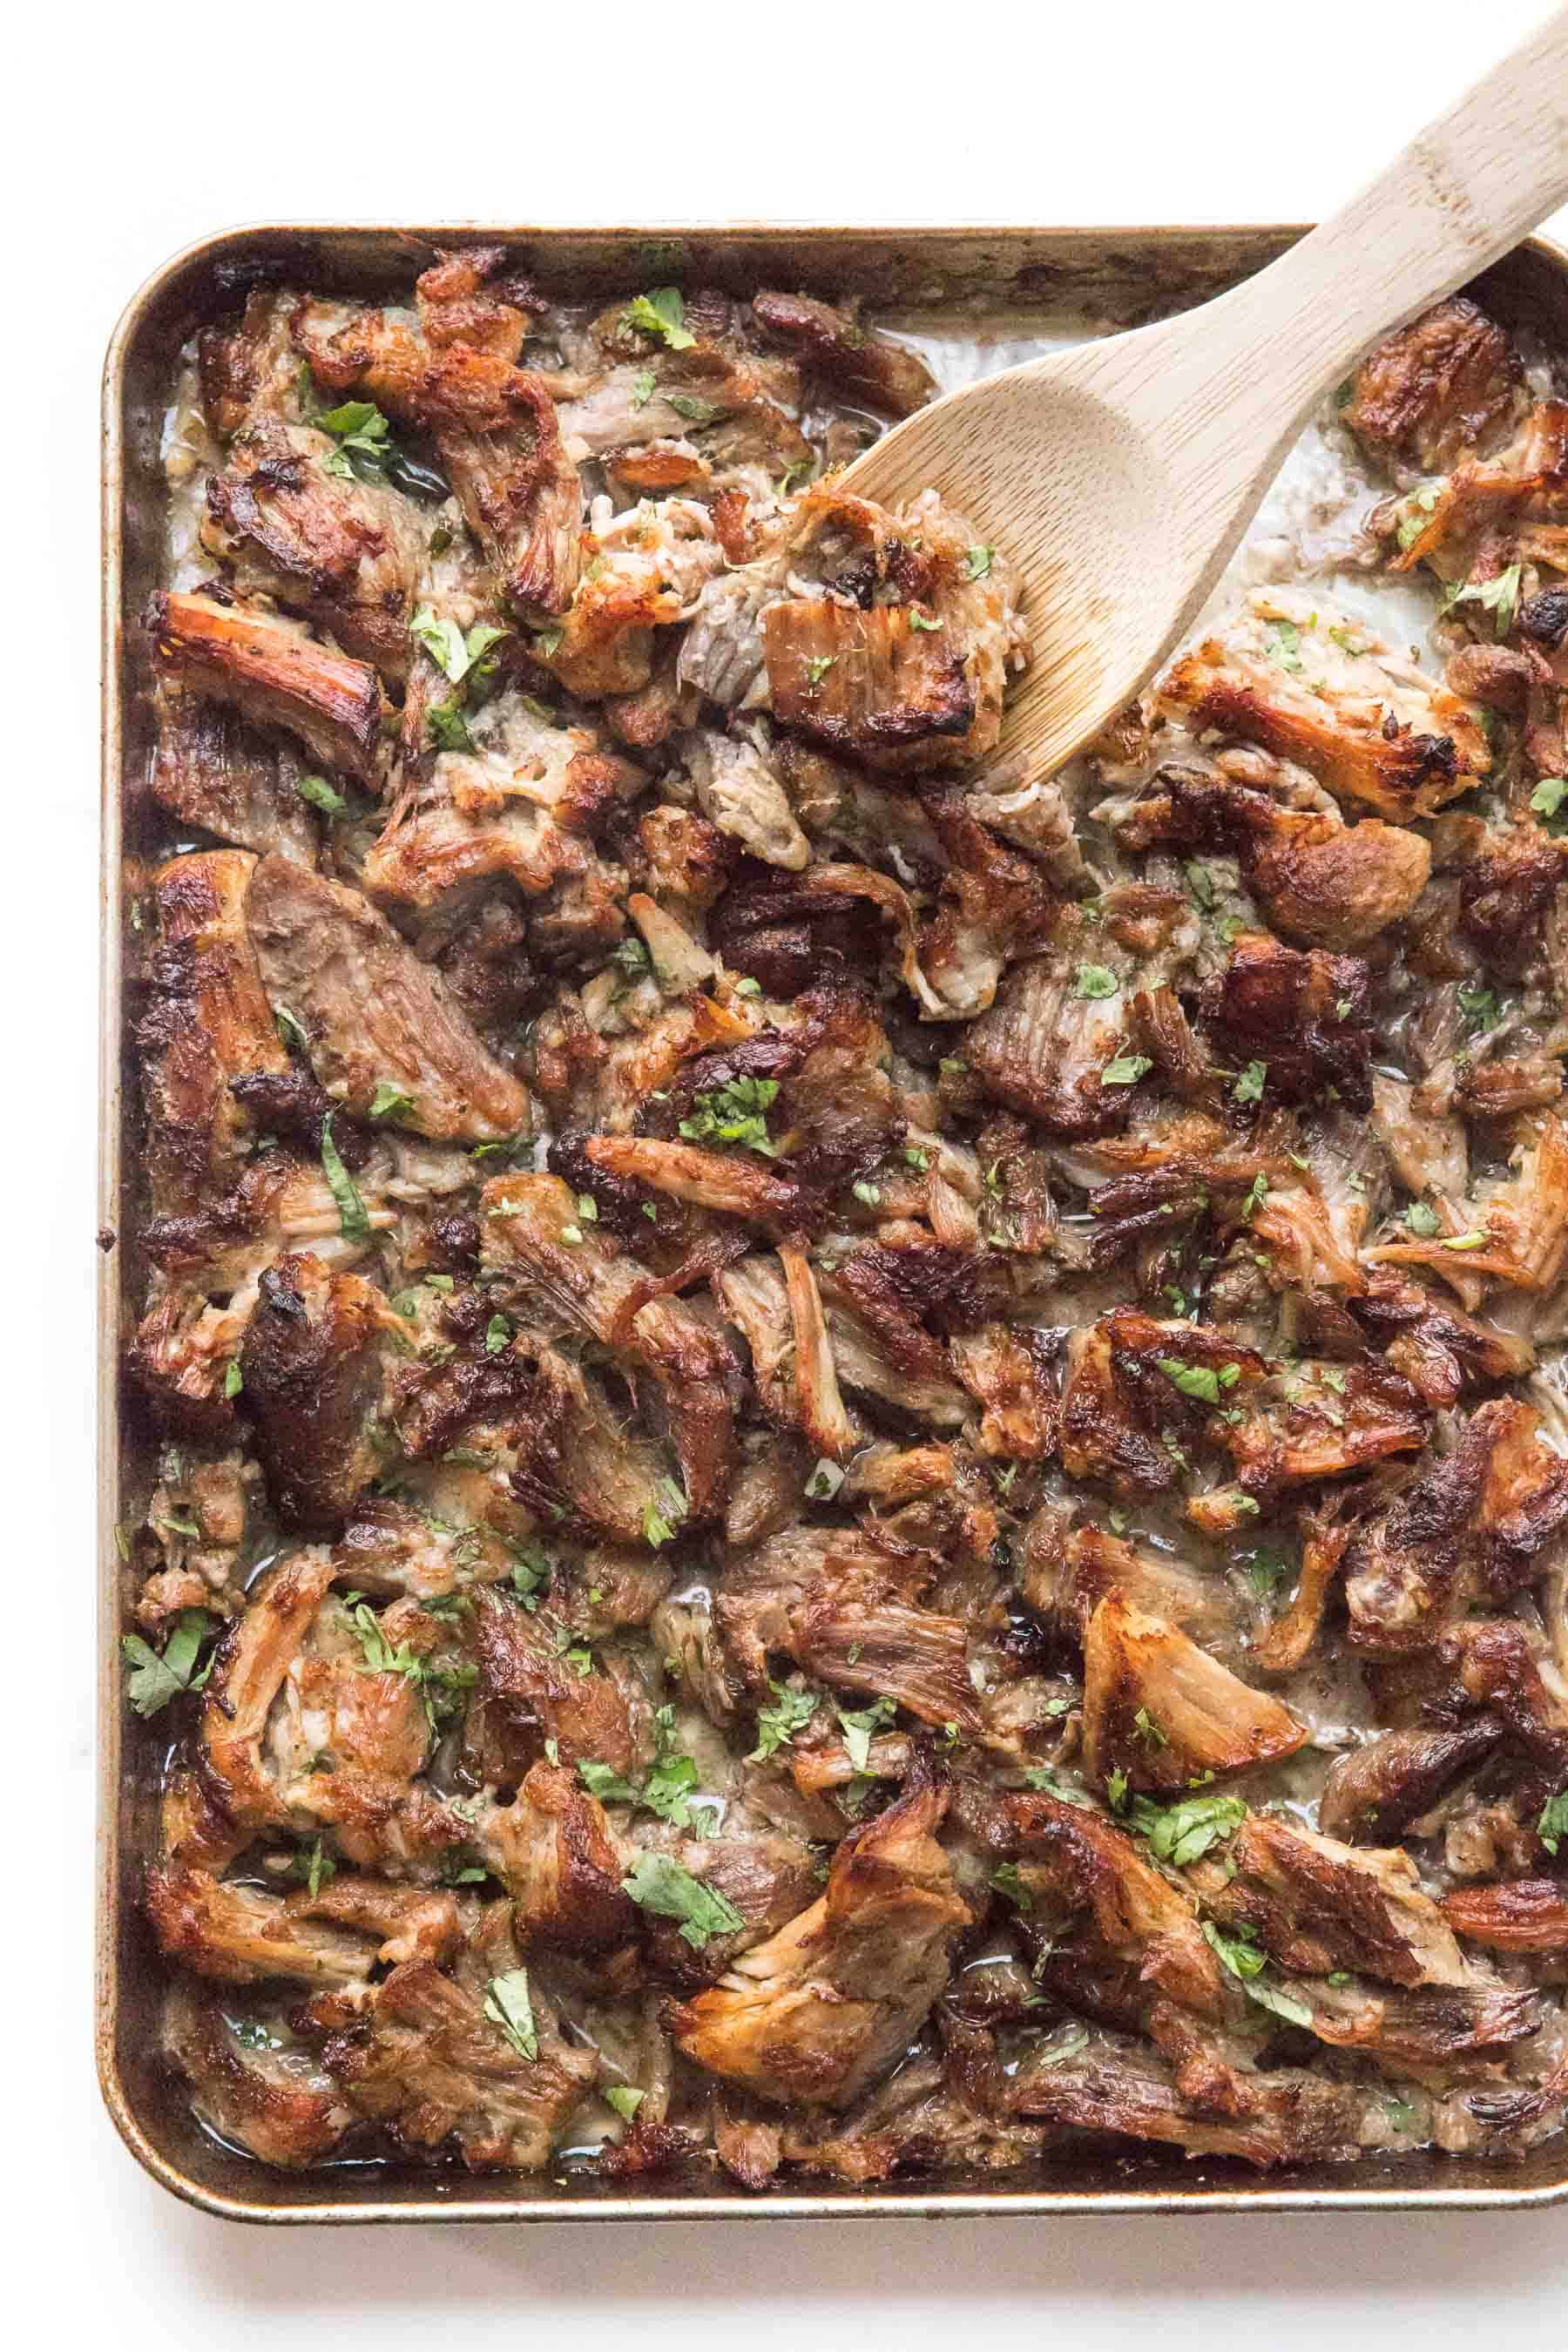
[[442, 2203]]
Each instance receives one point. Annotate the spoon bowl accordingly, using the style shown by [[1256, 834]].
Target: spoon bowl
[[1118, 476]]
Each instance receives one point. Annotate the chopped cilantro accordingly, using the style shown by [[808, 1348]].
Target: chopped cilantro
[[776, 1725], [658, 1884], [390, 1102], [1552, 1826], [1005, 1878], [1125, 1070], [661, 313], [1249, 1087], [858, 1725], [354, 1224], [1282, 645], [1094, 980], [506, 2004], [323, 796], [498, 1334], [978, 562], [1181, 1833], [156, 1679], [736, 1113], [664, 1515]]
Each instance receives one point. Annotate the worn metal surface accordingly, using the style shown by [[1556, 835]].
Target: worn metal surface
[[1127, 274]]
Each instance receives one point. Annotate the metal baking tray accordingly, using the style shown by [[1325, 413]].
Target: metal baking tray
[[1120, 276]]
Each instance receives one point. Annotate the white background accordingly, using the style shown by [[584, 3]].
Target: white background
[[125, 139]]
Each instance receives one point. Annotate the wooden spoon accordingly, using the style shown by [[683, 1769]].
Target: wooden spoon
[[1118, 475]]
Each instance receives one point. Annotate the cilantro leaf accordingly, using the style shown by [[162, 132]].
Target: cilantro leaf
[[1094, 980], [1125, 1070], [776, 1725], [1422, 1220], [734, 1113], [1552, 1826], [1181, 1833], [508, 2005], [1200, 1380], [859, 1726], [154, 1680], [323, 796], [353, 1222], [658, 1884], [1249, 1087], [661, 313], [978, 562], [1282, 645], [446, 727], [664, 1515], [390, 1102], [624, 2100]]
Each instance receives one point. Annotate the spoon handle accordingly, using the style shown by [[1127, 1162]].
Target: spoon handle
[[1463, 192]]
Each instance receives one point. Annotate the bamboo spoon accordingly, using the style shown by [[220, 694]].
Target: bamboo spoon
[[1120, 475]]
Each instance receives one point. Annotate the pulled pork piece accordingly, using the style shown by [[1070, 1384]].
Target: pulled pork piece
[[1471, 1530], [1163, 1713], [291, 1681], [1374, 1793], [1287, 2116], [432, 2059], [912, 683], [347, 555], [1316, 687], [832, 344], [1489, 514], [1322, 882], [372, 1015], [275, 675], [1316, 1906], [1077, 1867], [818, 2012], [208, 1023], [237, 1935], [515, 809], [526, 1673], [743, 797], [1303, 1015], [277, 2099], [496, 429], [211, 770], [551, 1849], [1044, 1049], [1443, 388], [1521, 1914], [312, 1362]]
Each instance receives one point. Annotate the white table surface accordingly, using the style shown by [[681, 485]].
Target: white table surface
[[114, 156]]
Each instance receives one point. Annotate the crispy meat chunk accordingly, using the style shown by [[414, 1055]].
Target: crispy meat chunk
[[1164, 1713], [1374, 1793], [495, 427], [1378, 734], [832, 344], [1317, 1905], [1471, 1528], [213, 771], [1322, 882], [207, 1022], [1441, 389], [279, 2102], [1521, 1914], [312, 1362], [432, 2062], [526, 1671], [1303, 1015], [372, 1014], [818, 2012], [274, 675], [345, 554], [553, 1850]]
